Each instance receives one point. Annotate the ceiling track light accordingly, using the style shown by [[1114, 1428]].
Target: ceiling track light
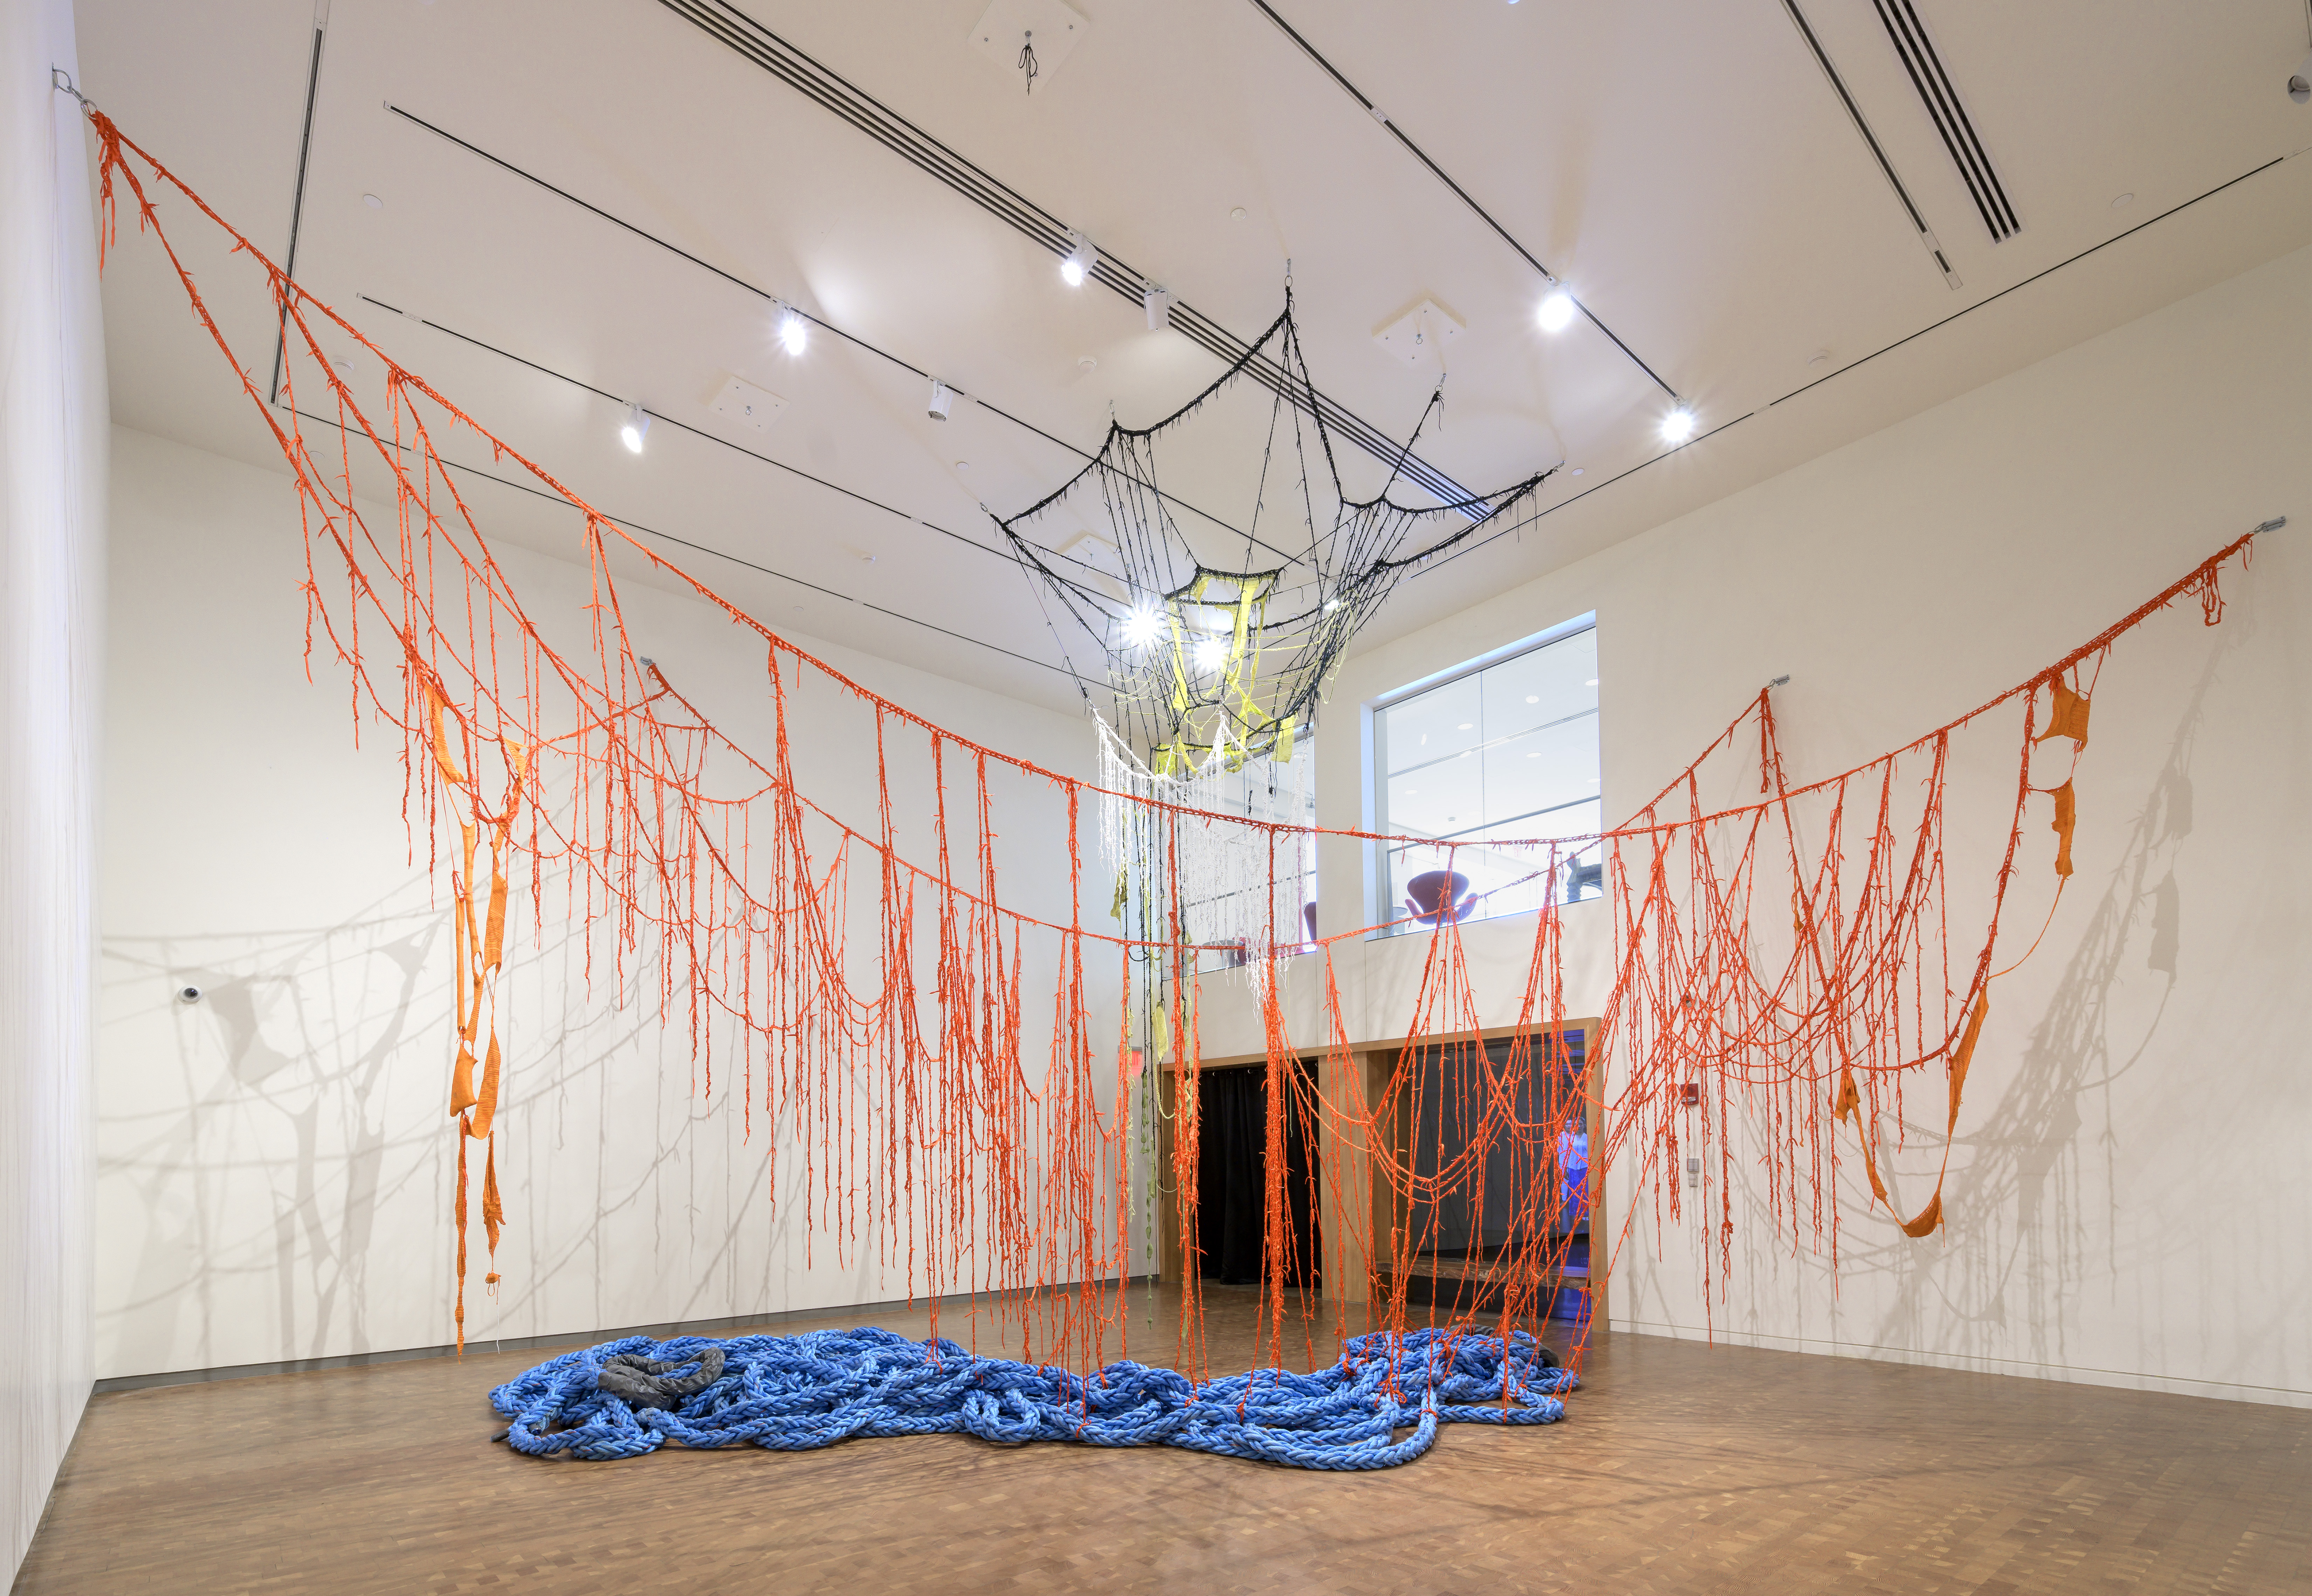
[[942, 399], [1080, 262], [1556, 311], [1677, 426], [794, 330], [2300, 83], [731, 28], [634, 429], [1157, 301]]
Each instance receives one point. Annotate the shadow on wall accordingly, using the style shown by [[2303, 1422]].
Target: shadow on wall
[[247, 1140], [2008, 1283], [275, 1165], [2103, 1106]]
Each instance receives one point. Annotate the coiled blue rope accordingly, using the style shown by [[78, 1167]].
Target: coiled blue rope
[[793, 1393]]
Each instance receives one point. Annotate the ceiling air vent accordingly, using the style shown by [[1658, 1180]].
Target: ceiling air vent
[[1950, 117]]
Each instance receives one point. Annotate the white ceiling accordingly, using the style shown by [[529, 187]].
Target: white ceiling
[[1684, 166]]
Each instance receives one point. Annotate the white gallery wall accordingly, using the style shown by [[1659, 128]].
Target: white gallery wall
[[2128, 1186], [275, 1165], [52, 485]]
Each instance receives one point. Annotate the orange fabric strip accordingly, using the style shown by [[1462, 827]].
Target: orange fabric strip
[[449, 771], [1849, 1105], [493, 939], [485, 1108], [461, 1082], [493, 1211], [2068, 718]]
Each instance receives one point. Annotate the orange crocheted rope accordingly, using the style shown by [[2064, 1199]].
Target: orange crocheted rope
[[901, 1074]]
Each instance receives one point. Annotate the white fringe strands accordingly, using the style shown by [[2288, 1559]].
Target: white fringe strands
[[1240, 891]]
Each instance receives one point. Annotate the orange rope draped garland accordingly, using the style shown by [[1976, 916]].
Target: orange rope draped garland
[[909, 1092]]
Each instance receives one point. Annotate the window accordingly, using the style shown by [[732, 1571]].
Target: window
[[1503, 750]]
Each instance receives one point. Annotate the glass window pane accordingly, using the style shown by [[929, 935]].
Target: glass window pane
[[1506, 753]]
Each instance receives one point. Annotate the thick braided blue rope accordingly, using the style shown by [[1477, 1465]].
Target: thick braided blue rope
[[793, 1393]]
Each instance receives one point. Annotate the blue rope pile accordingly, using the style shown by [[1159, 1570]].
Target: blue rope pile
[[793, 1393]]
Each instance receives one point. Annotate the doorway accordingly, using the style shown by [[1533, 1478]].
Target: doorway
[[1496, 1140], [1232, 1153]]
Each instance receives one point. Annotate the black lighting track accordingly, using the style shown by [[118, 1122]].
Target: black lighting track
[[1933, 83], [1462, 195], [657, 415], [745, 36], [297, 199], [1878, 151], [338, 424]]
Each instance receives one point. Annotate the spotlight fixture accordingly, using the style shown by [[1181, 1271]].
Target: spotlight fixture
[[1081, 261], [1210, 653], [2299, 81], [1677, 426], [1157, 301], [1141, 626], [1556, 312], [942, 399], [1331, 604], [795, 332], [637, 426]]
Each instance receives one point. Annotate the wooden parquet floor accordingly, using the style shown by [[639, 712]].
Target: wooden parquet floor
[[1680, 1467]]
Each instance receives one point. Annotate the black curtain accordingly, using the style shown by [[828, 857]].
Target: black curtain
[[1457, 1086], [1232, 1180]]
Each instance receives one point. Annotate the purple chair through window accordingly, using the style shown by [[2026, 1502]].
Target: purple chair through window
[[1438, 895]]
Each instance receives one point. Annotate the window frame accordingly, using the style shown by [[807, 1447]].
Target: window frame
[[1374, 781]]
